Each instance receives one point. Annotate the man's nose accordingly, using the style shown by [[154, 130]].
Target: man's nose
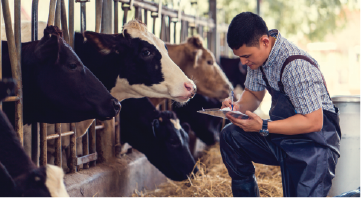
[[244, 61]]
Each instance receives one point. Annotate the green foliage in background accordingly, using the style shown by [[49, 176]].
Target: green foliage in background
[[312, 19]]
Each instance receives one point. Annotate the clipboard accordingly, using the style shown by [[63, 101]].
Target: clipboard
[[221, 113]]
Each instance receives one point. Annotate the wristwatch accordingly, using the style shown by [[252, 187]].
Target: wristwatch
[[264, 131]]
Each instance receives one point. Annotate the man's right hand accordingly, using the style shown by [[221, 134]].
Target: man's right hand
[[227, 103]]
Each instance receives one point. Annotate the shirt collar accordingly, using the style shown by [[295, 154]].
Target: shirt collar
[[275, 49]]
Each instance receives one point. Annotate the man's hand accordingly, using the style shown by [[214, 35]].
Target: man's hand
[[253, 124], [227, 103]]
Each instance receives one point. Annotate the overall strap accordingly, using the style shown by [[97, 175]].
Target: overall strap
[[264, 77], [294, 57]]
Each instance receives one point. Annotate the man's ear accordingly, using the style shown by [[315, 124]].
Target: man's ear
[[7, 185], [105, 43]]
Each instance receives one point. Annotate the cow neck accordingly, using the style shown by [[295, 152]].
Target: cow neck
[[104, 67], [12, 155], [177, 54]]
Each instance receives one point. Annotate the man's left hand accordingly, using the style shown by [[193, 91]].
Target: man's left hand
[[252, 124]]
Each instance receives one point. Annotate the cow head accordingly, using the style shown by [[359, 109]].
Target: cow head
[[64, 85], [199, 64], [40, 182], [139, 65]]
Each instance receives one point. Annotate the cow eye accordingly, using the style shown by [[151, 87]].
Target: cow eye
[[72, 66], [210, 62], [145, 53], [166, 47]]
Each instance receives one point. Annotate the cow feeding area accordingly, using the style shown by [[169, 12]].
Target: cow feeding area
[[212, 180]]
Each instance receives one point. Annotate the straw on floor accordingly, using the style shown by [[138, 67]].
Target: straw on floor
[[212, 180]]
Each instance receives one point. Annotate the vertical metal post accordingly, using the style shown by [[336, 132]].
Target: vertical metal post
[[57, 14], [71, 23], [214, 39], [125, 8], [258, 7], [1, 70], [64, 22], [92, 141], [34, 20], [162, 35], [107, 17], [73, 160], [98, 14], [43, 144], [168, 28], [58, 152], [85, 140], [82, 17], [116, 17], [154, 15], [175, 31], [51, 12], [118, 146], [15, 67], [146, 17]]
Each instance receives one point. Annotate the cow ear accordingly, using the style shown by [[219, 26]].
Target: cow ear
[[196, 41], [105, 43], [7, 186], [47, 50]]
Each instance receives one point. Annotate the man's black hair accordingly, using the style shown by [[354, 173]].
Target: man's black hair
[[246, 28]]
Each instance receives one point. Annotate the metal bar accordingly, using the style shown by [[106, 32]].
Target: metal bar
[[92, 142], [85, 140], [116, 16], [259, 7], [73, 160], [34, 20], [71, 23], [98, 14], [57, 160], [35, 143], [64, 22], [107, 17], [97, 127], [154, 19], [87, 158], [118, 146], [18, 103], [125, 8], [43, 144], [57, 14], [146, 17], [54, 136], [154, 7], [162, 35], [15, 67], [82, 17], [51, 12], [168, 29], [11, 99], [175, 32]]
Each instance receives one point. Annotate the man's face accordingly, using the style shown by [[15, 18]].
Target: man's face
[[254, 56]]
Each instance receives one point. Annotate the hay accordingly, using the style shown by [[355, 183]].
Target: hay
[[212, 180]]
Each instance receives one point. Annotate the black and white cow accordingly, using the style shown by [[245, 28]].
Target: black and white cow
[[159, 136], [19, 176], [205, 127], [234, 70], [57, 87]]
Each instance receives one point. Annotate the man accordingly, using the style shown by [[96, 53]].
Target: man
[[303, 135]]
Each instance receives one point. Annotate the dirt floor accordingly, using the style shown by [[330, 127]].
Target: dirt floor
[[212, 180]]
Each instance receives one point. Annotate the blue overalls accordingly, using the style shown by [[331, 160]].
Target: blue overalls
[[307, 161]]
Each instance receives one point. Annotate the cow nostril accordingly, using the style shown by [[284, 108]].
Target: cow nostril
[[116, 105], [188, 86]]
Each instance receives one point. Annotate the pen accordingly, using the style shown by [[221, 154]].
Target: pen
[[232, 94]]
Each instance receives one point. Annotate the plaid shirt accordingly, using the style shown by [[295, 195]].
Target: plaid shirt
[[302, 81]]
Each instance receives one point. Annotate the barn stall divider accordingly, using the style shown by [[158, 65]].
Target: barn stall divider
[[101, 143]]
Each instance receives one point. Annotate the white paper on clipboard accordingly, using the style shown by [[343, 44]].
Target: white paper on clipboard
[[222, 113]]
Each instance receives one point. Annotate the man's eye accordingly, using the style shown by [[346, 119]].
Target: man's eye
[[145, 53]]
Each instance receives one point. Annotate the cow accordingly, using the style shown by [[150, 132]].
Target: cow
[[19, 176], [57, 87], [158, 135], [234, 70], [205, 127], [199, 64]]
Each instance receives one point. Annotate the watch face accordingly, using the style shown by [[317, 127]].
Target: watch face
[[264, 132]]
